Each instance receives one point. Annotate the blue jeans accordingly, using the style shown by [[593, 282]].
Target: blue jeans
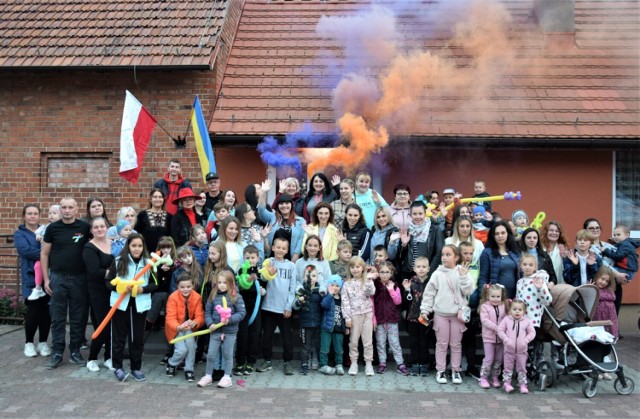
[[69, 294], [185, 350], [217, 345]]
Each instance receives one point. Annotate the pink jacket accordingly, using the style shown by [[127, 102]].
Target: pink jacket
[[490, 317], [356, 300], [516, 334]]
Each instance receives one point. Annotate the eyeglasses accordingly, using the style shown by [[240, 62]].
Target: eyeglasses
[[593, 228], [402, 193]]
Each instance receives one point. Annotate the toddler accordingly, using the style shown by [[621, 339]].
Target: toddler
[[307, 302], [480, 189], [521, 222], [37, 292], [332, 327], [533, 288], [492, 311], [624, 251], [516, 332], [418, 334], [124, 229]]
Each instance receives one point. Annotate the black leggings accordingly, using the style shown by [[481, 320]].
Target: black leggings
[[37, 318]]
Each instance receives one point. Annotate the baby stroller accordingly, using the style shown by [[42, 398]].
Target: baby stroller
[[581, 347]]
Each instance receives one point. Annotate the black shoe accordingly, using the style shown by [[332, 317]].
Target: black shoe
[[165, 360], [189, 376], [217, 375], [170, 371], [76, 358], [54, 361]]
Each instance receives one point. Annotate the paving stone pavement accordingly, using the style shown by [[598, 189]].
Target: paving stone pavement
[[27, 389]]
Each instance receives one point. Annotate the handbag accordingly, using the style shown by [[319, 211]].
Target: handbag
[[464, 312]]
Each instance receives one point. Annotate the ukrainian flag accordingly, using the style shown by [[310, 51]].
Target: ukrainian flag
[[201, 138]]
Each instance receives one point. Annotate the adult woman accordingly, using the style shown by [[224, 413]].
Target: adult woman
[[229, 234], [339, 206], [499, 260], [98, 260], [323, 226], [230, 200], [37, 317], [96, 208], [283, 221], [554, 242], [530, 243], [250, 232], [320, 190], [185, 218], [355, 230], [154, 222], [401, 206], [368, 199], [463, 231], [433, 197], [201, 210], [125, 213], [461, 210], [290, 186], [384, 232], [423, 238]]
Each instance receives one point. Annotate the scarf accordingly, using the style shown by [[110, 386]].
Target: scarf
[[189, 212], [420, 233]]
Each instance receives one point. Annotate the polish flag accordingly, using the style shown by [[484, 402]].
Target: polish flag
[[135, 135]]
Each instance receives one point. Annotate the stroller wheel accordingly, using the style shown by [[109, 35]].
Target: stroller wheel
[[547, 375], [617, 385], [589, 387]]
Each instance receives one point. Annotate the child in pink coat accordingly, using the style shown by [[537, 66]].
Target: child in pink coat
[[516, 331], [492, 311]]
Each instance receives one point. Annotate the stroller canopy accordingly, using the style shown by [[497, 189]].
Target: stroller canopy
[[574, 304]]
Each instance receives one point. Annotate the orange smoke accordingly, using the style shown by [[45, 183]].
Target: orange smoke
[[362, 142]]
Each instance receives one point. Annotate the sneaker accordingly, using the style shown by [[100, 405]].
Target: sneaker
[[353, 369], [76, 358], [43, 349], [248, 369], [441, 378], [415, 370], [524, 389], [264, 366], [35, 294], [205, 381], [484, 383], [382, 367], [165, 360], [121, 375], [30, 350], [170, 371], [288, 369], [138, 375], [54, 361], [108, 364], [402, 369], [495, 382], [368, 370], [327, 370], [508, 388], [238, 370], [189, 376], [424, 370], [456, 378], [339, 369], [304, 369], [93, 366], [225, 382]]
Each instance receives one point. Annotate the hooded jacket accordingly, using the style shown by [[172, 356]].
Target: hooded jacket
[[171, 189], [516, 334]]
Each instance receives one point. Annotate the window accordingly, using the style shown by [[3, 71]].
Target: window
[[627, 190]]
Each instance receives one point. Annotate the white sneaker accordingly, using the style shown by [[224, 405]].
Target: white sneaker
[[353, 369], [30, 350], [441, 377], [368, 370], [93, 366], [456, 378], [43, 349], [108, 364], [35, 294]]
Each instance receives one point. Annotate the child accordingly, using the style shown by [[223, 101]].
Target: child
[[521, 222], [248, 342], [480, 189], [124, 229], [341, 266], [516, 332], [386, 301], [276, 307], [184, 316], [332, 328], [199, 244], [480, 227], [37, 292], [223, 338], [307, 301], [164, 274], [312, 255], [357, 310], [379, 255], [606, 309], [445, 295], [492, 310], [186, 258], [219, 213], [129, 318], [418, 334], [624, 253], [581, 265], [469, 344], [532, 288]]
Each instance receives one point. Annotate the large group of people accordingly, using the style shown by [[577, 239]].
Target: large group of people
[[350, 267]]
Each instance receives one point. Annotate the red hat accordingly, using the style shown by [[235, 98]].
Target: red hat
[[185, 193]]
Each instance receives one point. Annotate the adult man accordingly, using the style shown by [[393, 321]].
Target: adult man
[[63, 272], [171, 184], [214, 194]]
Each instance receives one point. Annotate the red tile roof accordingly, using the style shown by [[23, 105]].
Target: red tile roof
[[90, 33], [281, 73]]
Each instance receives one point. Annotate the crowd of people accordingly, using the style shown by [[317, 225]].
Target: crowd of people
[[351, 268]]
